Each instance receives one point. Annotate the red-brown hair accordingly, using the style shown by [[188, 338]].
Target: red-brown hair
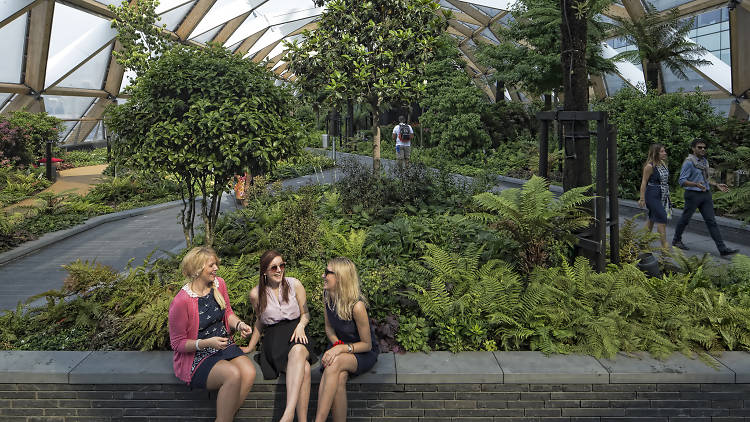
[[265, 262]]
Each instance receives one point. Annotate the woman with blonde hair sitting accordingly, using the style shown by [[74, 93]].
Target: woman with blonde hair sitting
[[200, 323], [354, 349]]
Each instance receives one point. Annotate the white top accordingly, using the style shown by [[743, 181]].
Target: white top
[[398, 138], [276, 310]]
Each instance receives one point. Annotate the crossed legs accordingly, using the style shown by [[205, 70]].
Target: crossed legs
[[297, 384], [233, 378], [332, 392]]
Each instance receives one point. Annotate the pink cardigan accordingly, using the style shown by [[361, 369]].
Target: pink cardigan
[[183, 327]]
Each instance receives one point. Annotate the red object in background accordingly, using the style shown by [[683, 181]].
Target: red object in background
[[54, 160]]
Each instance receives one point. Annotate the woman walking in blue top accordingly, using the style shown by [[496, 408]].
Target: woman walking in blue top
[[655, 192], [694, 178]]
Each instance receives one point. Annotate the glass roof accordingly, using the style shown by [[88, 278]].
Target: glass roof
[[81, 42]]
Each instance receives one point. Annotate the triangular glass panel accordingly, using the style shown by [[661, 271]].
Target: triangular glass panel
[[91, 75], [70, 109], [174, 17], [13, 36]]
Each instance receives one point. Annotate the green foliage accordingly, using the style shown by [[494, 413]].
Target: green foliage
[[413, 334], [17, 185], [301, 165], [23, 136], [672, 120], [141, 38], [372, 52], [661, 40], [84, 157], [204, 115], [542, 224], [528, 54], [298, 234], [634, 240]]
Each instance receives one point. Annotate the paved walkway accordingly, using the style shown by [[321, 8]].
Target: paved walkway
[[78, 180], [115, 243]]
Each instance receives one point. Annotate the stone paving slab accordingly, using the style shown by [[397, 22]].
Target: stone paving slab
[[38, 367], [739, 363], [678, 368], [125, 368], [447, 367], [536, 368]]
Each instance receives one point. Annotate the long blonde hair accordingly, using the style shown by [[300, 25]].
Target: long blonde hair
[[192, 266], [346, 293]]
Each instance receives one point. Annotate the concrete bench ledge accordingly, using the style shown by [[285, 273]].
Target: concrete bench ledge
[[87, 367]]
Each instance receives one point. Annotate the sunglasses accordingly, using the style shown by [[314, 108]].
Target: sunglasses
[[700, 147], [281, 267], [327, 271]]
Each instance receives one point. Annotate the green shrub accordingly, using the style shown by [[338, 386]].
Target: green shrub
[[672, 119]]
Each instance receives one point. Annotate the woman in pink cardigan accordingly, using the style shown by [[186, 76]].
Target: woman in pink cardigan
[[200, 323]]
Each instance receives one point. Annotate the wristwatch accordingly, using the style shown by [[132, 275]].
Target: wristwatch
[[351, 349]]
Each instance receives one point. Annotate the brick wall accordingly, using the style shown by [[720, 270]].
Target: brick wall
[[387, 402]]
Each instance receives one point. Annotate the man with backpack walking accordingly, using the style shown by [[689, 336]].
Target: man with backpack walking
[[403, 133]]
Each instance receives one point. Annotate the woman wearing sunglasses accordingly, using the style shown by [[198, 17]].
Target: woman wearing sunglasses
[[353, 349], [280, 305], [200, 323]]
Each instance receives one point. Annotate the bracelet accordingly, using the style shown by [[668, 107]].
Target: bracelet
[[337, 343], [237, 325], [351, 348], [196, 344]]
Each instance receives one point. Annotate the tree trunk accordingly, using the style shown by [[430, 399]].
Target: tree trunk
[[577, 170], [653, 77], [375, 139], [499, 91]]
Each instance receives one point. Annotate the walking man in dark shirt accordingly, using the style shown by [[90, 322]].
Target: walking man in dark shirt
[[694, 178]]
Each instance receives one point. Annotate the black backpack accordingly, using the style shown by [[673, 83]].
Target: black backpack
[[404, 134]]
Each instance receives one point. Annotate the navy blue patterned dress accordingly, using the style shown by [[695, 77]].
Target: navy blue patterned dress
[[210, 324], [346, 331]]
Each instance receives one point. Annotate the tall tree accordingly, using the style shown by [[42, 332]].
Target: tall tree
[[198, 115], [371, 51], [661, 40], [528, 54]]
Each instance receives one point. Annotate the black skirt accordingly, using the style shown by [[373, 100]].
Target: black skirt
[[200, 376], [276, 346]]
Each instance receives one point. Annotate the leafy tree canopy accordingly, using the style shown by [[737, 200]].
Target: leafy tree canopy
[[371, 51], [204, 115], [661, 40], [528, 54]]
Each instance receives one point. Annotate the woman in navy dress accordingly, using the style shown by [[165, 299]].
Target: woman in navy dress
[[353, 349], [655, 192]]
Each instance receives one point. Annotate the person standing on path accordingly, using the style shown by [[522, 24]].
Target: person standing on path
[[694, 178], [655, 192], [402, 134]]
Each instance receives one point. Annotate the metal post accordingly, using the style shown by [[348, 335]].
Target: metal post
[[48, 153], [543, 150], [600, 214], [614, 205]]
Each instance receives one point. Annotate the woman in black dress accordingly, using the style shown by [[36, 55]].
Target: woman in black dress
[[353, 348], [655, 192]]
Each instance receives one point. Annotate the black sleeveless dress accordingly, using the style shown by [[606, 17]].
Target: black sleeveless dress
[[347, 332]]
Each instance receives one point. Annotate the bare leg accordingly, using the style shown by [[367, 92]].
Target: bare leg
[[226, 378], [339, 401], [295, 374], [649, 225], [329, 384], [662, 229], [247, 371], [304, 395]]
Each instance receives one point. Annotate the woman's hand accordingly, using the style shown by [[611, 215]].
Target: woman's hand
[[245, 330], [247, 349], [330, 355], [299, 336], [641, 202], [219, 343]]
